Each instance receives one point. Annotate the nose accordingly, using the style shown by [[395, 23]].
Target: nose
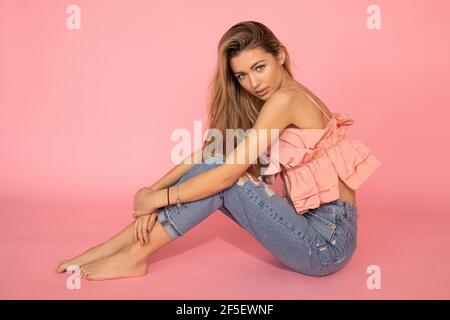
[[253, 82]]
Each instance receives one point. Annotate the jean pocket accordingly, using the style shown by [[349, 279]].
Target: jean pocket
[[332, 239]]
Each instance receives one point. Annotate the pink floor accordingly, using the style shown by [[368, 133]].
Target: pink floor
[[218, 260], [88, 117]]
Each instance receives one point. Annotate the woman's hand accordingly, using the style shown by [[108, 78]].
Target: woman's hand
[[143, 204], [144, 189], [143, 225]]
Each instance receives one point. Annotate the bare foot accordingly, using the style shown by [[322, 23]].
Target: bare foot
[[62, 266], [125, 263], [93, 254]]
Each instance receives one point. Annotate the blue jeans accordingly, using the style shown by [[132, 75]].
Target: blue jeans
[[316, 243]]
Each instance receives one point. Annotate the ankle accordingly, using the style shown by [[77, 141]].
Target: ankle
[[137, 252]]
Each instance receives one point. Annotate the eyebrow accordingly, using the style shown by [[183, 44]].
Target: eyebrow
[[253, 65]]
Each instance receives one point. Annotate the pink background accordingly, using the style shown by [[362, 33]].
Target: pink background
[[86, 118]]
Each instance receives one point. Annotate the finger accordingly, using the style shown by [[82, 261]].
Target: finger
[[138, 226], [152, 222], [140, 232], [144, 230], [145, 227], [151, 225], [141, 229], [135, 238], [137, 229], [149, 219]]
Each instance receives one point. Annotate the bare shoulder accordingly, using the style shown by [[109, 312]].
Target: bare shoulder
[[292, 97], [306, 109], [281, 100], [276, 112], [282, 95]]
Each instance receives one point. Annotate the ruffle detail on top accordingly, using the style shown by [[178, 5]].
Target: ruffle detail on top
[[311, 160]]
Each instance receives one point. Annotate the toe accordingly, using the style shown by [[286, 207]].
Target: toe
[[86, 273], [61, 267]]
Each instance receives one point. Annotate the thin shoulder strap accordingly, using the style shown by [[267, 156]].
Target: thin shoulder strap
[[309, 97]]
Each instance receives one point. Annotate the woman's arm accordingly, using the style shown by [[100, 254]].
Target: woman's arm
[[178, 171], [275, 114], [197, 187]]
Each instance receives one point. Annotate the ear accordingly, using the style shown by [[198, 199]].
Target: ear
[[281, 56]]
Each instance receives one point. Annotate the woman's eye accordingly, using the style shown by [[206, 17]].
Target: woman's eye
[[257, 68]]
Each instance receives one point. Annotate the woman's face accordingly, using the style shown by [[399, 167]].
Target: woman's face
[[258, 70]]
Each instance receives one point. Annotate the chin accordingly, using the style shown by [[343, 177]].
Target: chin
[[267, 96]]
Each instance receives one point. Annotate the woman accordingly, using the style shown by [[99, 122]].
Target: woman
[[312, 228]]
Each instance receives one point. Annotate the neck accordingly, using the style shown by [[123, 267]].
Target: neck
[[286, 81]]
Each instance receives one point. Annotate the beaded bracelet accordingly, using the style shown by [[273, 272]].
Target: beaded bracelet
[[178, 196]]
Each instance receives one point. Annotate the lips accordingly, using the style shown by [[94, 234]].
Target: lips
[[262, 92]]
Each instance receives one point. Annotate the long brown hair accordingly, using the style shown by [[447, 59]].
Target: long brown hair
[[230, 106]]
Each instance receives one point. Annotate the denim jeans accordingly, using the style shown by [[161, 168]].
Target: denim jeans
[[316, 243]]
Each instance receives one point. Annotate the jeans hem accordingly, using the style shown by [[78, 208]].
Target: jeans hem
[[167, 223]]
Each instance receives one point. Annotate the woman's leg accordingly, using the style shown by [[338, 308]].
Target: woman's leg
[[125, 238], [119, 241], [316, 243], [291, 237], [172, 222], [130, 261], [255, 207]]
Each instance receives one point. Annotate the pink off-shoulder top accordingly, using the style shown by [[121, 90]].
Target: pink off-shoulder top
[[311, 160]]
